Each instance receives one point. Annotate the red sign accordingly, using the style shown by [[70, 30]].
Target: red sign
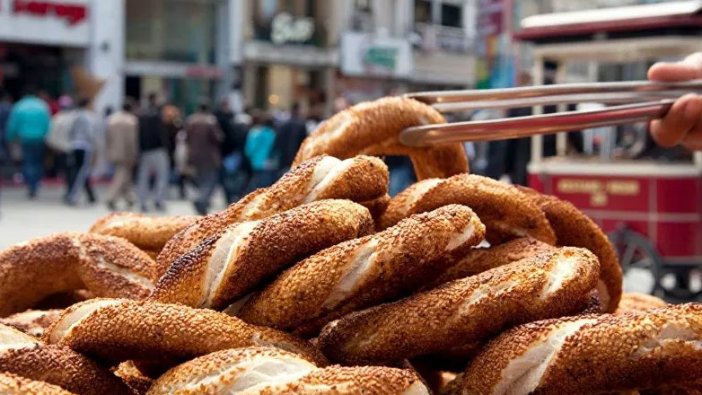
[[72, 13]]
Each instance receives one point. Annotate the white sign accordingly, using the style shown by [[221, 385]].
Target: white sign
[[363, 54], [48, 22], [287, 29]]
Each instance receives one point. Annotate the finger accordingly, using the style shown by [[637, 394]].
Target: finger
[[693, 139], [688, 69], [682, 117]]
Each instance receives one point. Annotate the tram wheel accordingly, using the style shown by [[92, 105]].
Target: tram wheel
[[640, 261]]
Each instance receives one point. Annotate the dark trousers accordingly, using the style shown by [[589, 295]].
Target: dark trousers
[[261, 179], [79, 175], [32, 164], [207, 180]]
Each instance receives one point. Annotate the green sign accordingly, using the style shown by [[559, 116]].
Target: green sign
[[385, 57]]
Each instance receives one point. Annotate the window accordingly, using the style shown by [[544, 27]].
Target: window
[[451, 15], [422, 11], [175, 30], [444, 13]]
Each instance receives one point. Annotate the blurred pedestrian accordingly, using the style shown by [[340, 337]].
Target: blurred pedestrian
[[259, 150], [83, 140], [153, 155], [204, 138], [59, 137], [235, 169], [173, 125], [292, 132], [50, 101], [122, 148], [5, 109], [29, 123]]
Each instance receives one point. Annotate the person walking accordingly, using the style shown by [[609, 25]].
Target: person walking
[[235, 169], [153, 156], [260, 151], [204, 138], [5, 109], [83, 141], [29, 123], [292, 132], [122, 150], [59, 137]]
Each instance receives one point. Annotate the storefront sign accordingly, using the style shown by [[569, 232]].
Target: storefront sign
[[73, 14], [287, 29], [363, 54], [47, 22]]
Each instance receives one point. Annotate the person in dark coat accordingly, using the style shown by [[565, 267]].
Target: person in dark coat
[[290, 136]]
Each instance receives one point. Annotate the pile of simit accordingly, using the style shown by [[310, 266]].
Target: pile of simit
[[323, 284]]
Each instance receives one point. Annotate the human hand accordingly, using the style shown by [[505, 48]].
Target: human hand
[[683, 123]]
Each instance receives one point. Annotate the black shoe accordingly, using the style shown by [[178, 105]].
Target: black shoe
[[111, 206], [160, 207]]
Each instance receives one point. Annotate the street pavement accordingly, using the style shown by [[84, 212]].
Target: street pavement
[[22, 219]]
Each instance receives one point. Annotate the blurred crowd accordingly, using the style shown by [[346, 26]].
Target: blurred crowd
[[145, 149]]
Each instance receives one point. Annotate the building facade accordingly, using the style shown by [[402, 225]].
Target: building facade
[[62, 46], [260, 53]]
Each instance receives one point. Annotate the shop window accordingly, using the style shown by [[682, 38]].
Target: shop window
[[451, 15], [422, 11], [173, 30]]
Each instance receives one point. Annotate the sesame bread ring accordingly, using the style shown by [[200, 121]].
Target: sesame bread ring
[[11, 384], [28, 357], [478, 260], [362, 178], [224, 269], [592, 354], [260, 370], [634, 301], [120, 329], [147, 233], [364, 272], [465, 311], [372, 128], [506, 212], [104, 265], [32, 322], [574, 228], [137, 381]]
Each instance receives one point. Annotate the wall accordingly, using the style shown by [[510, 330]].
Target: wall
[[105, 58]]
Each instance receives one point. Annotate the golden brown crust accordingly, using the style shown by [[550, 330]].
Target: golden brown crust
[[137, 382], [147, 233], [269, 371], [362, 178], [479, 260], [377, 206], [465, 311], [28, 357], [225, 269], [119, 330], [32, 322], [506, 212], [62, 367], [364, 272], [104, 265], [372, 128], [574, 228], [11, 384], [592, 354], [634, 301]]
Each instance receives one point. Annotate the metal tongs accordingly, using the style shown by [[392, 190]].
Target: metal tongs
[[642, 101]]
